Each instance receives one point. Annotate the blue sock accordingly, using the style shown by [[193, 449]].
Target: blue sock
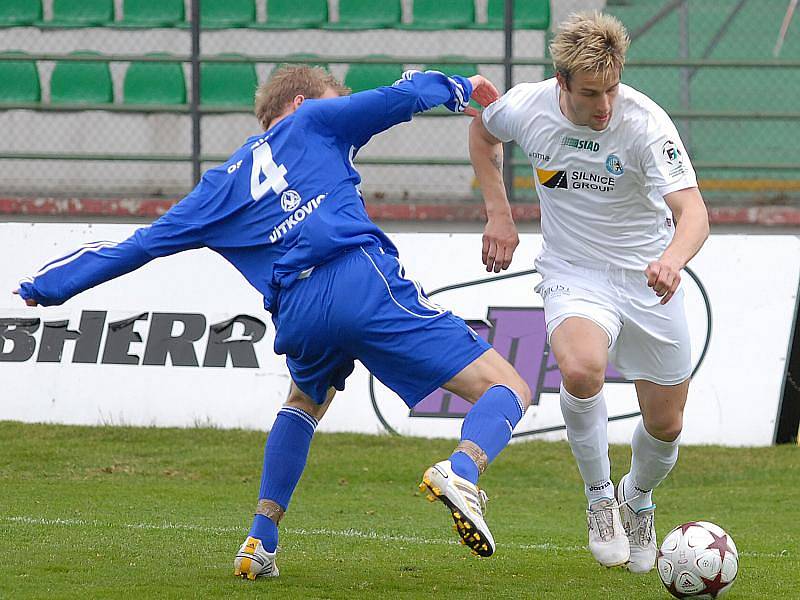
[[489, 425], [285, 457]]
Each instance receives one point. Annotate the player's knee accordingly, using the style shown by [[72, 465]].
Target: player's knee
[[666, 428], [301, 401], [508, 376], [583, 377], [513, 381], [523, 390]]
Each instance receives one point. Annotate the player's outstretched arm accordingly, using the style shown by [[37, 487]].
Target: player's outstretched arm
[[87, 266], [185, 226], [500, 237], [97, 262], [691, 231], [358, 117]]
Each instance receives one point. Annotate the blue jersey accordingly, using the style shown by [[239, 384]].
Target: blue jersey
[[284, 202]]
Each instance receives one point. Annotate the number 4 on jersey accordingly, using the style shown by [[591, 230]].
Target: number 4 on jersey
[[273, 174]]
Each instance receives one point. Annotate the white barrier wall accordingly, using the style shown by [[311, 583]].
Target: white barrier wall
[[149, 348]]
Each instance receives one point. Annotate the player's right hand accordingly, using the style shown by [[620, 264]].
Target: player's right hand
[[29, 301], [500, 239]]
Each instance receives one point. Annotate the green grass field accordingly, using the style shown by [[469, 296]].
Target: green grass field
[[106, 512]]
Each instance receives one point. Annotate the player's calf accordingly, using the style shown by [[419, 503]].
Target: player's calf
[[486, 431]]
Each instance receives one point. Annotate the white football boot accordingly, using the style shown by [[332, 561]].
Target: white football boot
[[253, 561], [640, 527], [607, 540], [466, 502]]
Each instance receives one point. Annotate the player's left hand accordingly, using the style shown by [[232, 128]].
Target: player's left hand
[[664, 278], [29, 301], [483, 92]]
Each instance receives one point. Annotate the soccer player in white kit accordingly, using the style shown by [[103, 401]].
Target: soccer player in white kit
[[621, 215]]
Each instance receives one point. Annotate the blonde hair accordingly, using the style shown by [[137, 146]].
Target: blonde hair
[[590, 41], [274, 95]]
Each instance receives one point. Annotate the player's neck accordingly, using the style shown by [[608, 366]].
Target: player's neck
[[281, 117]]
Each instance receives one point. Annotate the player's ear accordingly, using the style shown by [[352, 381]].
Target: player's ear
[[297, 101], [562, 81]]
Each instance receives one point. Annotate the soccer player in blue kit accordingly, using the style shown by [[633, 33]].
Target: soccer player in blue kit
[[287, 212]]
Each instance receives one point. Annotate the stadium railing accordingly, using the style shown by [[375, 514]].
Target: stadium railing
[[725, 167], [383, 65]]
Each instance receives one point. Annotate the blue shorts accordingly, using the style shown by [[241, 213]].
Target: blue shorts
[[360, 306]]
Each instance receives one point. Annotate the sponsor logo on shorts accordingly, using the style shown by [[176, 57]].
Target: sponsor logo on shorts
[[554, 291], [578, 144]]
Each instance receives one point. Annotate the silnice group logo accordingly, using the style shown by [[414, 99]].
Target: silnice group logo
[[511, 318]]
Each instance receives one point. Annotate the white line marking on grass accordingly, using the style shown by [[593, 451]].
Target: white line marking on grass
[[84, 523], [317, 532]]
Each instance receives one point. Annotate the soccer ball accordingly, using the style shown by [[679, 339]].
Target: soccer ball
[[698, 560]]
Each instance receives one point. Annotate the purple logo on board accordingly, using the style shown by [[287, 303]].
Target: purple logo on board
[[519, 335]]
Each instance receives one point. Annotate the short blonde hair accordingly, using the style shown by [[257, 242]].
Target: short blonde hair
[[274, 95], [590, 41]]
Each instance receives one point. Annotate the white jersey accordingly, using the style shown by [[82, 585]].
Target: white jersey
[[601, 193]]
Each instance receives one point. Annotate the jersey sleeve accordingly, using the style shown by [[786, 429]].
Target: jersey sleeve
[[504, 118], [665, 162], [356, 118], [181, 228]]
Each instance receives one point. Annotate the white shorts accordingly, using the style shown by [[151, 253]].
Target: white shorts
[[647, 339]]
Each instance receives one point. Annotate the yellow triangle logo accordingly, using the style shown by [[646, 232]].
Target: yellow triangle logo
[[544, 175]]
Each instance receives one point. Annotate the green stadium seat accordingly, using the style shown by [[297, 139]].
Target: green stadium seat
[[362, 77], [442, 14], [19, 13], [528, 14], [152, 13], [79, 82], [228, 84], [19, 80], [215, 14], [367, 14], [154, 83], [81, 13], [295, 14]]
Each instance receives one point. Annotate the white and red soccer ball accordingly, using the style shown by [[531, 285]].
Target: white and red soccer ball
[[697, 560]]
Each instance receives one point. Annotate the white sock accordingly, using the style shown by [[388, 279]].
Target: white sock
[[651, 462], [587, 431]]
